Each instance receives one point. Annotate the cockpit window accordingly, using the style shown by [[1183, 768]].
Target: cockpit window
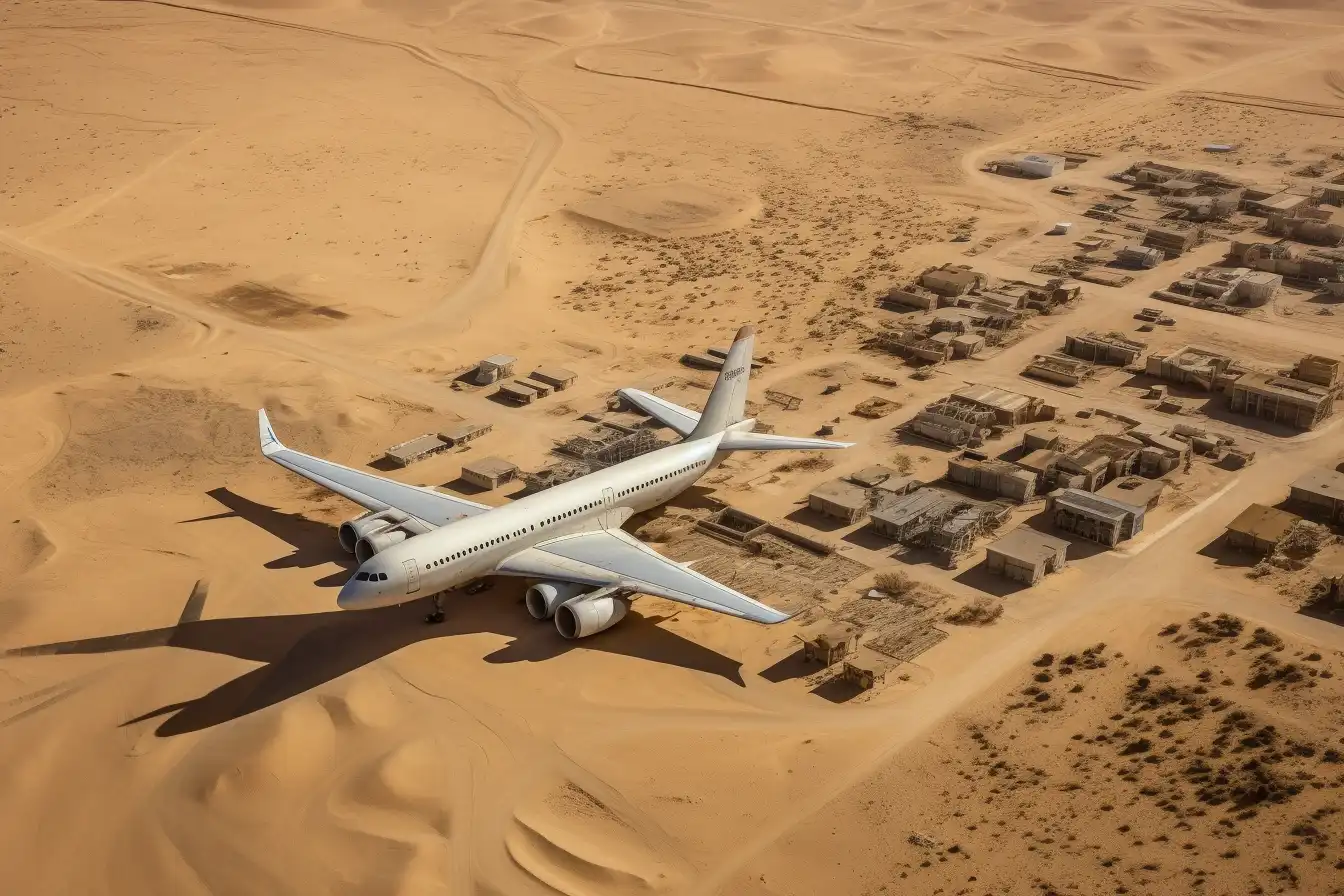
[[382, 577], [362, 577]]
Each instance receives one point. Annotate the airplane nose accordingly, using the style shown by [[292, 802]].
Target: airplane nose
[[372, 593]]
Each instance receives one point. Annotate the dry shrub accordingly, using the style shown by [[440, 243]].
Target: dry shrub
[[895, 583], [981, 611], [811, 462]]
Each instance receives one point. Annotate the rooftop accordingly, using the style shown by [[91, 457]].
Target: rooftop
[[499, 360], [1091, 504], [838, 491], [1322, 481], [554, 373], [1263, 523], [992, 397], [1284, 387], [913, 505], [1027, 544], [490, 466]]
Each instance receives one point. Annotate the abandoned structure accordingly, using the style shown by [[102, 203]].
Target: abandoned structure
[[1136, 490], [839, 500], [1111, 348], [1191, 366], [1139, 257], [1096, 518], [1059, 368], [609, 443], [943, 521], [1000, 478], [558, 378], [1211, 286], [953, 280], [1319, 370], [1320, 494], [1289, 261], [1025, 555], [828, 642], [1322, 226], [417, 448], [1291, 402], [516, 392], [489, 472], [494, 368], [465, 432], [1259, 529], [1008, 408], [867, 669], [1173, 242]]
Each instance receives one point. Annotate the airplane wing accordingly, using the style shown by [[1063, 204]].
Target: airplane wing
[[760, 441], [673, 416], [368, 491], [614, 557]]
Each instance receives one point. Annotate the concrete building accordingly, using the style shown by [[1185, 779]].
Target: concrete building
[[465, 432], [828, 642], [489, 472], [1136, 490], [1281, 203], [1317, 369], [1103, 520], [1111, 348], [1139, 257], [542, 389], [1041, 465], [1189, 366], [870, 477], [417, 448], [1008, 408], [1320, 494], [953, 280], [1282, 400], [952, 423], [967, 345], [839, 500], [1097, 461], [558, 378], [1259, 528], [495, 368], [1000, 478], [516, 392], [1027, 556], [1040, 164], [1322, 226], [904, 519], [1061, 369], [1171, 241], [912, 296], [867, 669], [1290, 261]]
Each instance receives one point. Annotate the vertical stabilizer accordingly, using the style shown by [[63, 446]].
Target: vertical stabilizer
[[728, 399]]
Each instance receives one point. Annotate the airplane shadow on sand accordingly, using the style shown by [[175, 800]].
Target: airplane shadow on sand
[[304, 651], [314, 543]]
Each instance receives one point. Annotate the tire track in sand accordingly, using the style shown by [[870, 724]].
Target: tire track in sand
[[490, 275]]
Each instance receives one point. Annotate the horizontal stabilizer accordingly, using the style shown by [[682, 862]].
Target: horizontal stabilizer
[[759, 441], [674, 416]]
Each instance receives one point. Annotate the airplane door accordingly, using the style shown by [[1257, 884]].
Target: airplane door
[[412, 576], [608, 505]]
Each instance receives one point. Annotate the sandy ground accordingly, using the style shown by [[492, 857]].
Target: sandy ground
[[333, 209]]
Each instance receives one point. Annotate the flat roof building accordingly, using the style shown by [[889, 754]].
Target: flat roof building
[[1135, 490], [839, 499], [517, 393], [1027, 556], [1096, 518], [1007, 407], [1259, 528], [489, 472], [495, 368], [417, 448], [828, 642], [1292, 402], [1320, 493], [558, 378], [464, 433]]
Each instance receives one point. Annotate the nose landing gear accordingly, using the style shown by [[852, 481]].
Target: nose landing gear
[[435, 616]]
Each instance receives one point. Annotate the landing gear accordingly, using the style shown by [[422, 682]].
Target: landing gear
[[435, 616]]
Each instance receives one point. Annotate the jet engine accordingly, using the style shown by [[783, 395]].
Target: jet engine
[[352, 531], [544, 598], [373, 532], [590, 614]]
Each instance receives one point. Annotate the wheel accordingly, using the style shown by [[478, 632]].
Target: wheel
[[434, 618]]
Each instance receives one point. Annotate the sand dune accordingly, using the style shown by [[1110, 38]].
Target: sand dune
[[334, 209]]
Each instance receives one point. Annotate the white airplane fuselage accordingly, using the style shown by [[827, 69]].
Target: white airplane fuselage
[[459, 552]]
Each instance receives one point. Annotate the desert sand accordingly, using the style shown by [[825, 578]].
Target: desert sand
[[333, 209]]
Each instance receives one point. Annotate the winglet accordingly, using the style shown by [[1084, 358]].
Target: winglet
[[269, 443]]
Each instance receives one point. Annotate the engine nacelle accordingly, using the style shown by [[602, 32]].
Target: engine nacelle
[[381, 539], [352, 531], [544, 598], [588, 615]]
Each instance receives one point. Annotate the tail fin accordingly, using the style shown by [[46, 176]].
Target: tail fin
[[728, 399]]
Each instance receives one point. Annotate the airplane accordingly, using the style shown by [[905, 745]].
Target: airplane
[[414, 541]]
